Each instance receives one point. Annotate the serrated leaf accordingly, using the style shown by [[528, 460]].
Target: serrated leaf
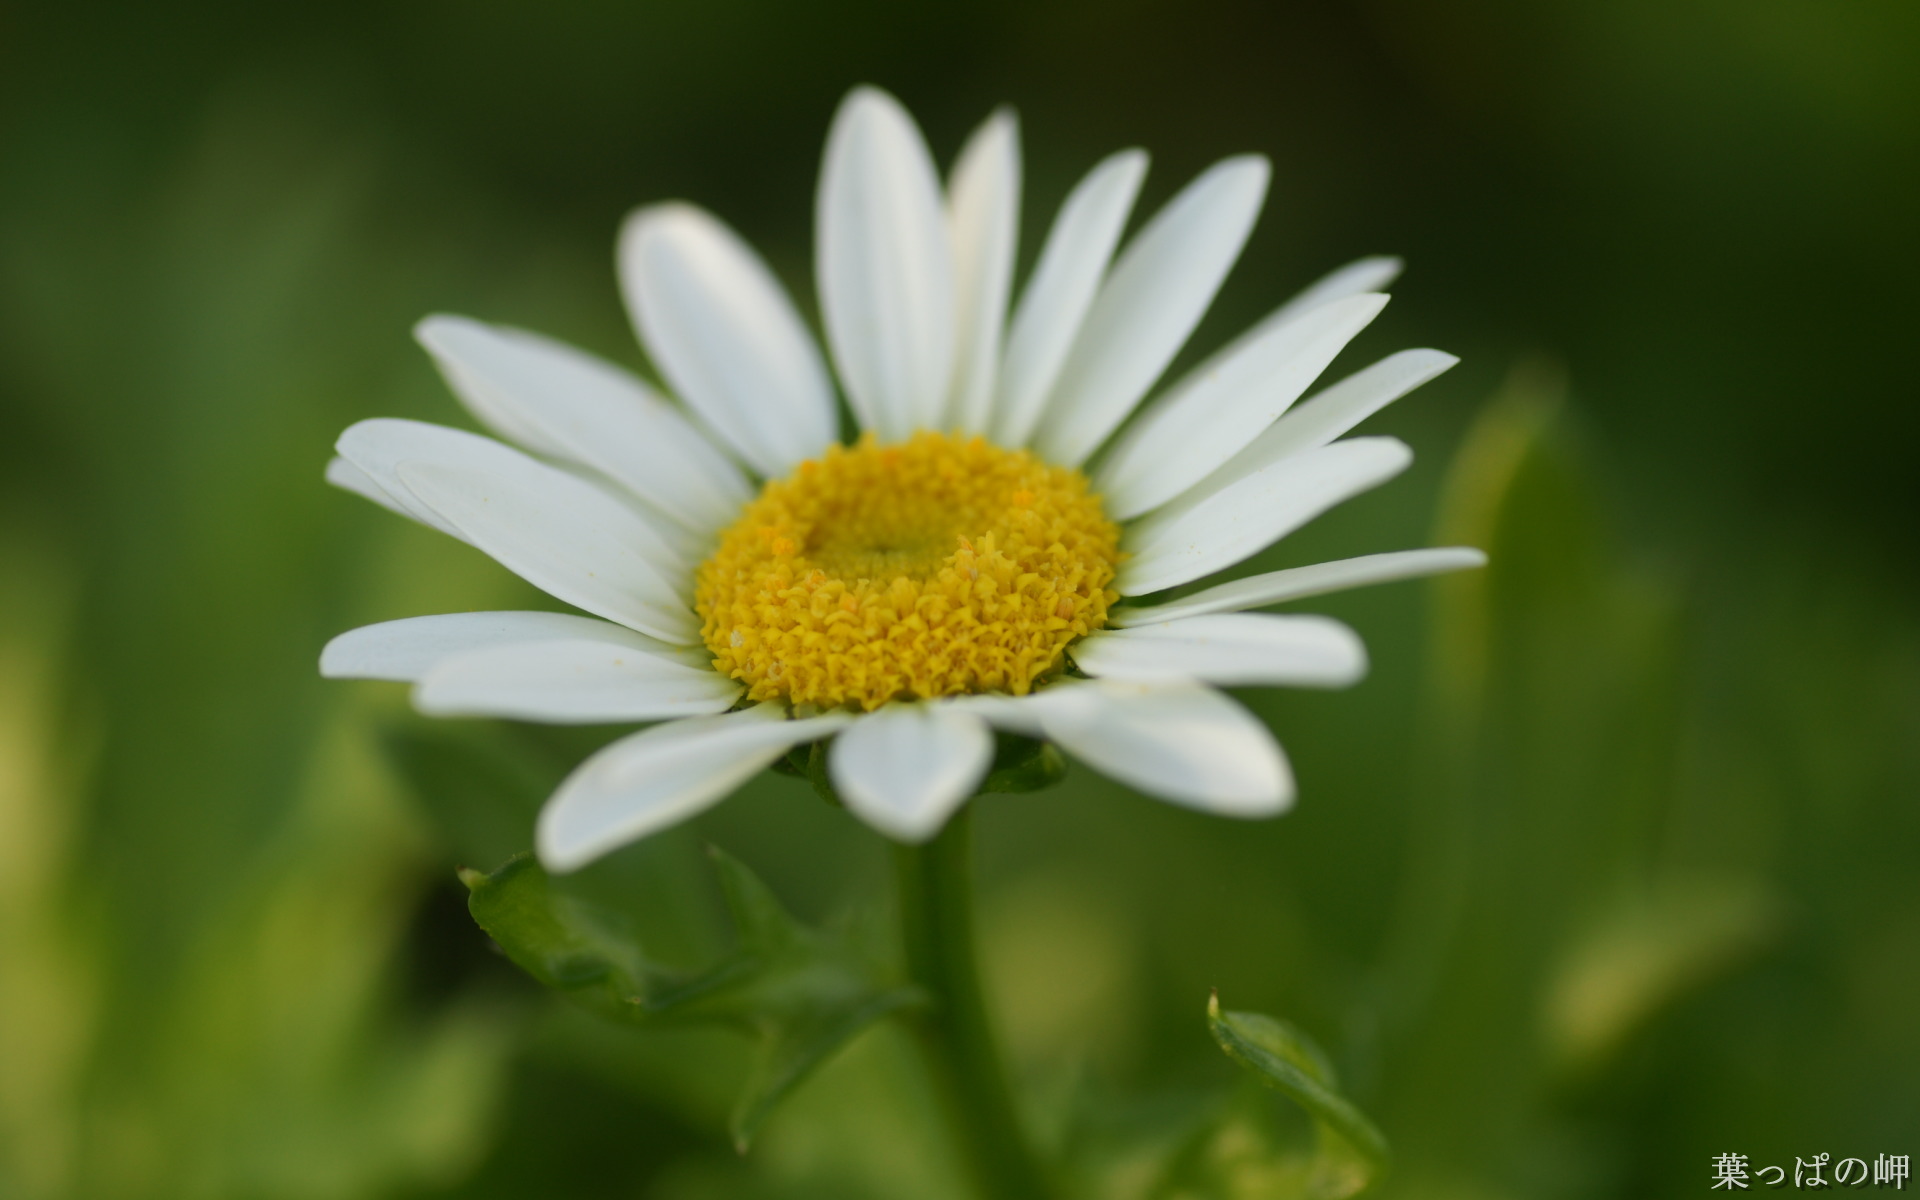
[[804, 993], [562, 942], [764, 926], [1351, 1151], [793, 1048]]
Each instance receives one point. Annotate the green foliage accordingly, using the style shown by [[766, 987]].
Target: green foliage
[[1351, 1152], [1023, 764], [274, 1060], [817, 777], [1639, 893], [803, 992], [1245, 1144]]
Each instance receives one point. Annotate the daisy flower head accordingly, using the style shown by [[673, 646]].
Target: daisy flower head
[[964, 560]]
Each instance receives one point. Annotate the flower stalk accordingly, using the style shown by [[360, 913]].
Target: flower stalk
[[954, 1032]]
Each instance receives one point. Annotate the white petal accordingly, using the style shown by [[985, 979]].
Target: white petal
[[1158, 291], [1358, 277], [344, 475], [374, 448], [1015, 714], [1185, 541], [1297, 583], [906, 767], [1362, 275], [1055, 302], [1232, 650], [983, 208], [1326, 415], [1225, 403], [885, 266], [572, 681], [379, 446], [407, 649], [724, 334], [565, 537], [1180, 741], [661, 776], [563, 402]]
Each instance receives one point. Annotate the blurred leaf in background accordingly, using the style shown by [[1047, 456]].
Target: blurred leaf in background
[[1607, 869], [274, 1060]]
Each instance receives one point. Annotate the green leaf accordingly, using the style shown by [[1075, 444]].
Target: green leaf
[[764, 926], [803, 992], [1351, 1152], [793, 764], [568, 945], [1023, 764], [818, 777], [1241, 1148], [798, 1041]]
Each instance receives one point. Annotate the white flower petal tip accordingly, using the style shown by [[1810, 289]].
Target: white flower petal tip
[[1184, 542], [1160, 287], [1064, 283], [565, 537], [1321, 418], [1231, 650], [379, 448], [983, 210], [372, 451], [1180, 741], [886, 269], [1235, 649], [567, 404], [405, 650], [573, 682], [1213, 413], [1372, 274], [1298, 583], [347, 477], [725, 335], [660, 777], [905, 768]]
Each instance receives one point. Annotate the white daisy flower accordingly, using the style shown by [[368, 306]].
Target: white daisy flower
[[960, 565]]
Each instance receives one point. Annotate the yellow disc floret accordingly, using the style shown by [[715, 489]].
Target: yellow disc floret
[[938, 566]]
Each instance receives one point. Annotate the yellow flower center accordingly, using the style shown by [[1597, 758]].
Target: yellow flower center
[[934, 567]]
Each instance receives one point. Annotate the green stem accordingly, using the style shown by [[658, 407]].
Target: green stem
[[936, 908]]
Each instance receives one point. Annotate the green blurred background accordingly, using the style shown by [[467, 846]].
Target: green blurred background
[[1609, 867]]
